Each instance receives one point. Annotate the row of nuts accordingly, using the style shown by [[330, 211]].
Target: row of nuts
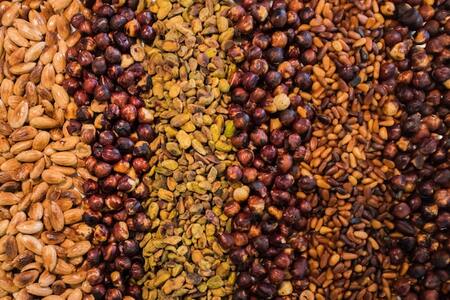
[[418, 38], [105, 77], [43, 239]]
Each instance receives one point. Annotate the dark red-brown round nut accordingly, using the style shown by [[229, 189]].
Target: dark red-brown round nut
[[234, 173], [137, 271], [113, 294], [95, 202], [231, 208], [101, 233], [98, 291], [226, 240], [94, 276], [113, 202], [120, 231]]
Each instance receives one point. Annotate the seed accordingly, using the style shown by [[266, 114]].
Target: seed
[[29, 156], [67, 159], [30, 227], [35, 289], [22, 68], [49, 257]]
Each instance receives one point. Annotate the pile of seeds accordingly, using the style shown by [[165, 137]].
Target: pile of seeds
[[209, 149], [189, 72], [105, 77], [418, 43], [312, 122], [42, 238]]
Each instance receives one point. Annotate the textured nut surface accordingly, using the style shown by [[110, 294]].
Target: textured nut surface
[[40, 184]]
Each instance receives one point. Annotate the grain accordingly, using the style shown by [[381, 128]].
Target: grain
[[38, 197]]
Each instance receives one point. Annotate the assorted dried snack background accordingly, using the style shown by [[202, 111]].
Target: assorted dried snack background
[[219, 149]]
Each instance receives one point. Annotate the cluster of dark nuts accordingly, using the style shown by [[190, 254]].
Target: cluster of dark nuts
[[267, 240], [105, 81], [418, 41]]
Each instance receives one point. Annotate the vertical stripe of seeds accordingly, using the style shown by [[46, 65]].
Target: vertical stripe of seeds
[[312, 122], [189, 69], [105, 77], [417, 39], [42, 236]]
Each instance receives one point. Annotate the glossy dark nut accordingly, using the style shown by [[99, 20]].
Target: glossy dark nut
[[113, 202], [98, 291], [101, 234], [145, 132], [110, 252], [234, 173], [122, 263], [74, 127], [401, 210], [275, 55], [124, 144], [85, 58], [266, 290], [409, 16], [276, 276], [231, 208], [242, 221], [95, 202], [144, 18], [106, 138], [236, 12], [268, 153], [120, 231], [90, 187], [112, 55], [241, 120], [259, 138], [100, 25], [239, 95], [142, 222], [94, 276], [102, 40], [111, 154], [113, 294], [120, 99], [304, 39], [102, 169], [245, 24], [85, 27], [122, 128], [147, 33], [122, 41], [226, 240], [89, 85], [273, 78], [245, 157], [278, 17], [117, 22], [99, 65], [126, 184], [261, 243], [137, 271], [94, 256], [71, 85], [244, 280], [347, 73], [77, 19], [300, 268], [126, 79], [142, 149], [130, 247], [74, 69]]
